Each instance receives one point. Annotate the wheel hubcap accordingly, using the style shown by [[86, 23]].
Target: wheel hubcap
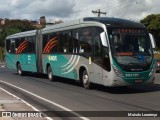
[[50, 75], [19, 71], [85, 79]]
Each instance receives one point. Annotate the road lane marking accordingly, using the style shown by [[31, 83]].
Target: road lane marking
[[34, 108], [44, 99]]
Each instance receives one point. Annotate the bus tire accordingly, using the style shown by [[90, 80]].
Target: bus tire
[[49, 73], [19, 70], [85, 80]]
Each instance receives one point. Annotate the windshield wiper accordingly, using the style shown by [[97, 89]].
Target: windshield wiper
[[141, 59]]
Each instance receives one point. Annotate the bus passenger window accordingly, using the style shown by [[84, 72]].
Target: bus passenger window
[[45, 41], [12, 46], [24, 42], [8, 43], [63, 42], [70, 43], [75, 36], [85, 40], [31, 45], [18, 45], [53, 43]]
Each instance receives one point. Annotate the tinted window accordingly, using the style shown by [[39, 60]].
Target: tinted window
[[19, 44], [63, 42], [31, 44], [45, 41], [75, 37], [25, 45], [12, 46], [22, 48], [52, 43], [85, 44], [97, 41], [70, 43], [8, 43]]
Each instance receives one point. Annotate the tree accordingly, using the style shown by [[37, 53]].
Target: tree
[[12, 27], [152, 22], [22, 25]]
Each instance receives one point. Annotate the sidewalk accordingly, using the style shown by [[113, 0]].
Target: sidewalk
[[11, 103]]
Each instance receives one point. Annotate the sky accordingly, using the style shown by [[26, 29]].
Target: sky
[[67, 10]]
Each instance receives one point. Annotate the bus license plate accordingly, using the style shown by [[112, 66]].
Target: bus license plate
[[138, 81]]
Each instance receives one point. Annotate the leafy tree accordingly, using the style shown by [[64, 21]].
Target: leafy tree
[[22, 25], [12, 27], [152, 22]]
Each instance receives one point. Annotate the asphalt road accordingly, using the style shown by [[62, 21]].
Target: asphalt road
[[64, 94]]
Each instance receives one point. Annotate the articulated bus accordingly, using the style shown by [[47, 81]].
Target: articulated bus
[[106, 51]]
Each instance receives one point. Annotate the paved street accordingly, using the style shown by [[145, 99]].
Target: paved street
[[64, 94]]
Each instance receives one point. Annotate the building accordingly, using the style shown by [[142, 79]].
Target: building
[[2, 21]]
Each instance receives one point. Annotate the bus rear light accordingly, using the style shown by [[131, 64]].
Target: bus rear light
[[118, 73]]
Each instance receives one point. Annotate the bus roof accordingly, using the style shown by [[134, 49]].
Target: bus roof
[[22, 34], [110, 22], [115, 22]]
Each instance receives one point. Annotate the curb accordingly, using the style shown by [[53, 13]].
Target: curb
[[9, 102]]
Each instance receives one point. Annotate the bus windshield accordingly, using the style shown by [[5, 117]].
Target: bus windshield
[[131, 49]]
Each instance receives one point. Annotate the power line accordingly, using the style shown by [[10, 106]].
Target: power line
[[125, 5], [113, 5], [99, 12]]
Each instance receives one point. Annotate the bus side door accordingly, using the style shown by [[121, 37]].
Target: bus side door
[[98, 60]]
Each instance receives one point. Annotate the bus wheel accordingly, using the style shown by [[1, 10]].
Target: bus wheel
[[19, 70], [85, 80], [49, 73]]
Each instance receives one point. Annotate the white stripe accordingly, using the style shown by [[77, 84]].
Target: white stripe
[[35, 109], [73, 66], [71, 63], [44, 99], [68, 62]]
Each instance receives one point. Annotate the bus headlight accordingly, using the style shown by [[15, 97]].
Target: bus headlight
[[152, 72], [118, 73]]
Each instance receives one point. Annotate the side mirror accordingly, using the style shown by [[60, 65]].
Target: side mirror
[[152, 40], [103, 38]]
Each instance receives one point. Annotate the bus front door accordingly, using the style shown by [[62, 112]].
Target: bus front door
[[98, 62]]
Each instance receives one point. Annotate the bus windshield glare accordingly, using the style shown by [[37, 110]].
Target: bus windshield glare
[[131, 49]]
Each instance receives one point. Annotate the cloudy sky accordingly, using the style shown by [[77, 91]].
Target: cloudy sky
[[74, 9]]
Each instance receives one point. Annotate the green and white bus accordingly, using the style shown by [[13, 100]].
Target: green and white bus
[[106, 51]]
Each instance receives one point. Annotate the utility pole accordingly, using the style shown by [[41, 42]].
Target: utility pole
[[99, 12]]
